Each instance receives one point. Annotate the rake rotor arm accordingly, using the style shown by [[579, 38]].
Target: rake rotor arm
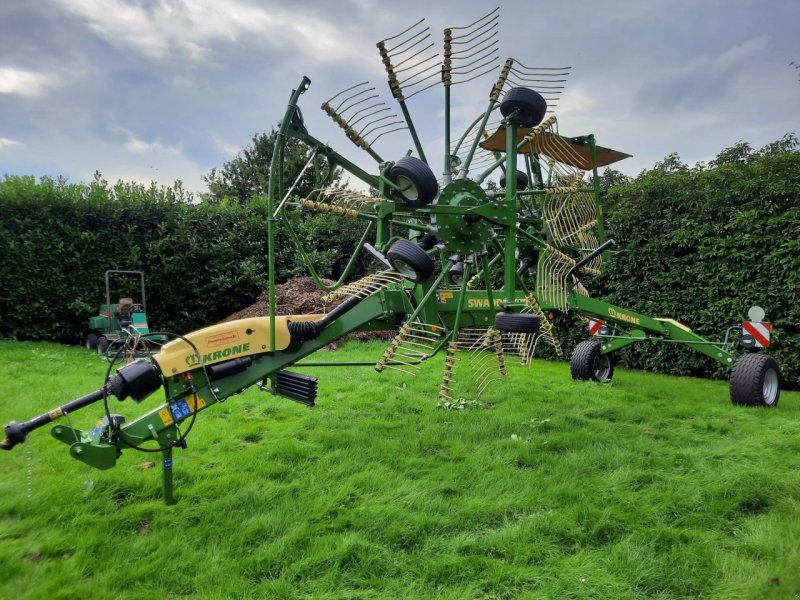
[[334, 157]]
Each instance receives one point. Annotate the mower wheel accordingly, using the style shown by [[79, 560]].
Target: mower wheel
[[530, 106], [517, 322], [755, 381], [90, 341], [410, 260], [588, 364], [522, 181], [417, 180], [102, 345]]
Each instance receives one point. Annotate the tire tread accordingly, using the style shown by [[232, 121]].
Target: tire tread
[[747, 379]]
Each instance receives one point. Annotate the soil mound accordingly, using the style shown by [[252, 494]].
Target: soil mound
[[299, 296]]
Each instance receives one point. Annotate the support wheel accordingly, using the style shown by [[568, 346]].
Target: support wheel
[[411, 261], [522, 181], [417, 179], [755, 381], [517, 322], [530, 106], [588, 364], [90, 341]]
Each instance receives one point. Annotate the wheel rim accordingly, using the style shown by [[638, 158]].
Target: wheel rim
[[770, 387], [602, 367], [404, 269], [409, 190]]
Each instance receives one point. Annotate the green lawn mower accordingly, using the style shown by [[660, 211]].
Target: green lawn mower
[[121, 331]]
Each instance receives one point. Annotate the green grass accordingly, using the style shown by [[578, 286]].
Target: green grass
[[651, 487]]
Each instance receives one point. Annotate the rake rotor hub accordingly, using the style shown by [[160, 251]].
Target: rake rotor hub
[[462, 232]]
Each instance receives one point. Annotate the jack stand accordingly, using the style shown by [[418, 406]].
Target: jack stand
[[169, 498]]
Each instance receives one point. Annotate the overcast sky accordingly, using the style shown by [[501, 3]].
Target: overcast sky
[[168, 89]]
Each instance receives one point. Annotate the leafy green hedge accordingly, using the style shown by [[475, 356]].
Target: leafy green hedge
[[702, 246], [698, 245], [201, 261]]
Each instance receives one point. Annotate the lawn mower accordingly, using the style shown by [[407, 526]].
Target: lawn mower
[[472, 262], [121, 330]]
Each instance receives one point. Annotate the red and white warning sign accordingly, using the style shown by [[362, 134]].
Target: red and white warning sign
[[597, 327], [756, 334]]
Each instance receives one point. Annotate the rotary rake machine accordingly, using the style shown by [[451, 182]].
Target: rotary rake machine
[[470, 267]]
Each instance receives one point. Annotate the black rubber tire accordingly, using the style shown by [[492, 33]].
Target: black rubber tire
[[90, 341], [530, 106], [102, 345], [517, 322], [755, 381], [421, 182], [456, 274], [522, 181], [588, 364], [410, 260]]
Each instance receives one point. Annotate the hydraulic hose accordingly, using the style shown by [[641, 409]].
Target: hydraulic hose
[[309, 330], [591, 256]]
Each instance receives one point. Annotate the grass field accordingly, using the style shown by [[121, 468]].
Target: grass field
[[651, 487]]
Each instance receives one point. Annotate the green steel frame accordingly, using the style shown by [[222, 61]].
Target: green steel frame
[[447, 308]]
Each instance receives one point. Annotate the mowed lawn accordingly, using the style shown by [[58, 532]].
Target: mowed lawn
[[650, 487]]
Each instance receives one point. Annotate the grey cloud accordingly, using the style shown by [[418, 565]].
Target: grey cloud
[[648, 78]]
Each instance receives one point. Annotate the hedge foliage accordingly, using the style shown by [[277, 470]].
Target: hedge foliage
[[699, 245], [201, 261], [703, 246]]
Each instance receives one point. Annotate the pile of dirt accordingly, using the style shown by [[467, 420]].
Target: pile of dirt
[[301, 296]]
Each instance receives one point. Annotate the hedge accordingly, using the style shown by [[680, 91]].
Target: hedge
[[201, 261], [700, 246]]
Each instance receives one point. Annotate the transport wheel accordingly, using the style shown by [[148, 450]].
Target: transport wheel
[[530, 106], [516, 322], [102, 345], [91, 340], [522, 180], [755, 381], [588, 364], [418, 180], [411, 261]]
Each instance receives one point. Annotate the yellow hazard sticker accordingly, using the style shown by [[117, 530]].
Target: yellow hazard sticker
[[166, 416], [200, 404]]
